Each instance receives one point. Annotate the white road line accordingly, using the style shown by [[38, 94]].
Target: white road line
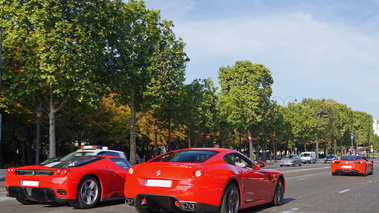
[[300, 170], [343, 191]]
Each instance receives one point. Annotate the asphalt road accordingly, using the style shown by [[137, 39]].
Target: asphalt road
[[309, 188]]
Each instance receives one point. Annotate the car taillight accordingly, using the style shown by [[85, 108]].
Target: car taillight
[[198, 173], [336, 162], [358, 162], [62, 171], [11, 170]]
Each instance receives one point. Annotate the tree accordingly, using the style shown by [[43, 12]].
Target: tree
[[245, 92], [55, 52], [147, 63]]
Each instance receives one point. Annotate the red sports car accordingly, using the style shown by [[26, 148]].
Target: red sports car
[[352, 164], [202, 180], [81, 181]]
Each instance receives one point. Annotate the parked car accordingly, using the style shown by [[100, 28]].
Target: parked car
[[202, 180], [308, 157], [352, 164], [290, 160], [81, 181], [88, 150], [330, 158], [51, 160]]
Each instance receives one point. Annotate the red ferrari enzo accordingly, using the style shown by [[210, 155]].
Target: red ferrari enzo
[[202, 180], [352, 164], [81, 181]]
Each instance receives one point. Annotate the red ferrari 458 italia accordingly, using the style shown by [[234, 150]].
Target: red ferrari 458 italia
[[352, 164], [202, 180], [81, 181]]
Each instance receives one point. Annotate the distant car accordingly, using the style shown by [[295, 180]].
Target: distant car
[[81, 181], [290, 160], [89, 150], [308, 157], [352, 164], [330, 158], [202, 180]]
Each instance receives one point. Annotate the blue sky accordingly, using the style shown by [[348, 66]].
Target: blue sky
[[313, 48]]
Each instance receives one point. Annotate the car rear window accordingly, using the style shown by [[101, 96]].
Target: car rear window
[[351, 157], [187, 156], [78, 161]]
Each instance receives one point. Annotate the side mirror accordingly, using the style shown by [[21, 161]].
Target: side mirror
[[261, 164]]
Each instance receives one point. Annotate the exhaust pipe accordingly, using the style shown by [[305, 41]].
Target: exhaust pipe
[[189, 206], [129, 201]]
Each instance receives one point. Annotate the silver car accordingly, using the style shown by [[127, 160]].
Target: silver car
[[290, 160]]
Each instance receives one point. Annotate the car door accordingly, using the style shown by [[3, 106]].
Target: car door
[[254, 181]]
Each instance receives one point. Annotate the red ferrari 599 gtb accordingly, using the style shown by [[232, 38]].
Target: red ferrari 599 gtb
[[202, 180]]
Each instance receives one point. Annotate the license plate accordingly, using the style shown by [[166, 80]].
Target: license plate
[[158, 183], [347, 167], [29, 183]]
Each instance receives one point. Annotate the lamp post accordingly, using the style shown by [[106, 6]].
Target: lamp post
[[234, 137], [352, 142], [356, 138], [284, 111], [196, 132], [169, 112], [205, 140], [156, 126], [39, 115]]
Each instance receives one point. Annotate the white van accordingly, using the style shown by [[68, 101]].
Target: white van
[[308, 157]]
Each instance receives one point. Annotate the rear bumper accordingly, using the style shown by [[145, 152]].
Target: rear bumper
[[166, 202], [40, 194], [347, 171]]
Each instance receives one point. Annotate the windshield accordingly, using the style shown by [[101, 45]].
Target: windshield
[[189, 156], [78, 161], [76, 154], [351, 157], [289, 156], [305, 154]]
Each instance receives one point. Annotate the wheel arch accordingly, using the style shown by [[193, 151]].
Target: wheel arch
[[98, 180], [238, 187]]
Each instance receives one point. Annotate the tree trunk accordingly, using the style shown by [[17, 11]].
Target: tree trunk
[[250, 144], [52, 142], [189, 138], [133, 121]]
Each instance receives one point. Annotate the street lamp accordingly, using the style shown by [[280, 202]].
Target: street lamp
[[234, 137], [284, 111], [196, 132], [156, 126], [39, 115]]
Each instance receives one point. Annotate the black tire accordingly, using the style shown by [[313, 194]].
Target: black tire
[[25, 201], [334, 174], [278, 197], [281, 165], [230, 199], [88, 193], [365, 174]]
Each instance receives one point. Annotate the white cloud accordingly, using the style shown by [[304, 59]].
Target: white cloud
[[308, 56]]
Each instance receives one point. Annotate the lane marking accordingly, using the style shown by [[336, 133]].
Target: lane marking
[[343, 191], [300, 170], [292, 210]]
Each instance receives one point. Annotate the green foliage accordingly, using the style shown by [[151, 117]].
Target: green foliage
[[245, 92]]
